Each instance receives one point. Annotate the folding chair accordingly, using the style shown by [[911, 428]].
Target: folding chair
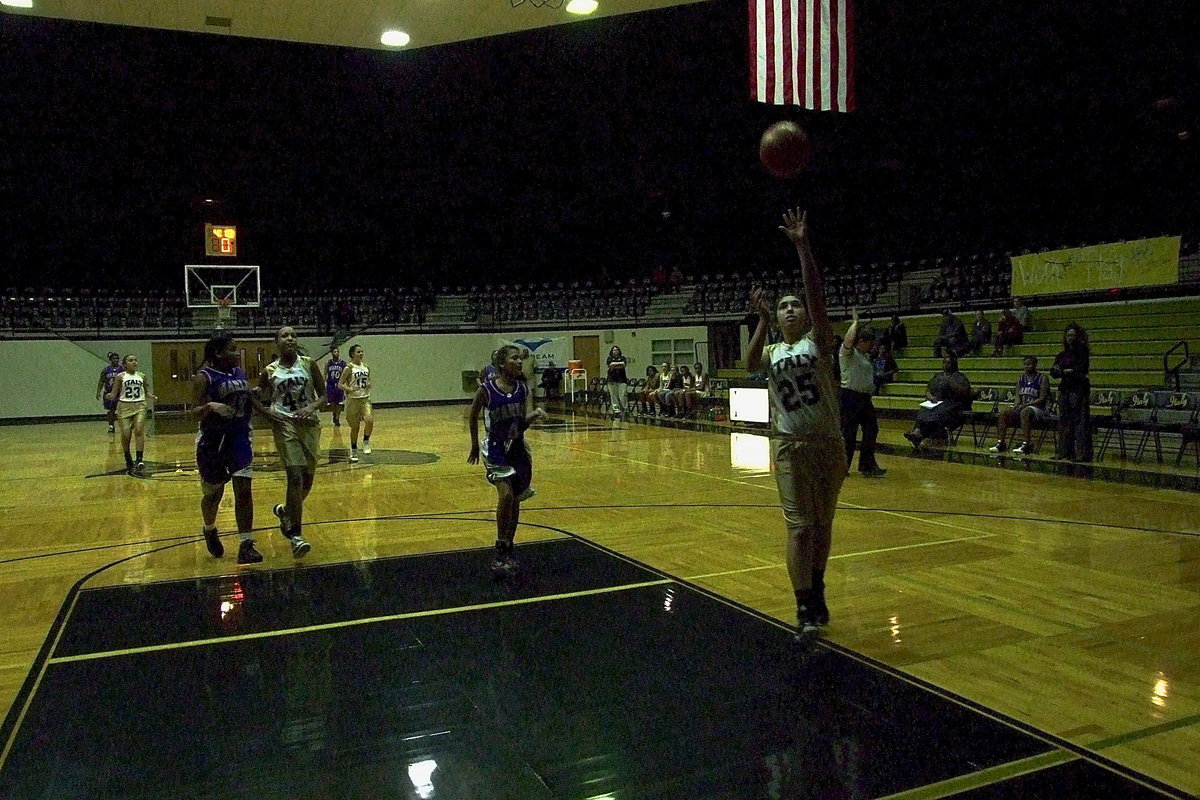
[[988, 416], [1189, 432], [1137, 415], [1172, 410], [1114, 401], [1047, 424]]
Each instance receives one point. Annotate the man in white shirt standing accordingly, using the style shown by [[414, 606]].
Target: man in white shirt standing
[[858, 382]]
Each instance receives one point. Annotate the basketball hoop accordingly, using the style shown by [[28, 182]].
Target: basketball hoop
[[224, 311]]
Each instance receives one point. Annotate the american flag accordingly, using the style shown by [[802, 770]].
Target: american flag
[[802, 53]]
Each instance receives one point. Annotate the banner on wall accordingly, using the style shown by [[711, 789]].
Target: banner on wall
[[543, 350], [1144, 262]]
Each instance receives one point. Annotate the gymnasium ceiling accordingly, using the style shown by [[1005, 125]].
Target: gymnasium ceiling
[[346, 23]]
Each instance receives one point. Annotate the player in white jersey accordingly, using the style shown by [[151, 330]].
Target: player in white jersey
[[806, 441], [293, 391], [356, 384], [131, 394]]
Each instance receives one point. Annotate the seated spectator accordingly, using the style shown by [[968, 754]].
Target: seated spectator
[[885, 367], [947, 398], [551, 381], [649, 394], [895, 336], [1023, 314], [1009, 332], [981, 334], [685, 398], [700, 385], [952, 335], [669, 383], [1033, 393]]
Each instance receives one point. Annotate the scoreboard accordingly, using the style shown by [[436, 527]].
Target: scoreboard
[[220, 240]]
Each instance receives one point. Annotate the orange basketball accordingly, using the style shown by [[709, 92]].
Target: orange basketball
[[784, 149]]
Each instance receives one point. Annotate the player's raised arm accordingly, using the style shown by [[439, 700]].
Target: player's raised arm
[[795, 227], [851, 332]]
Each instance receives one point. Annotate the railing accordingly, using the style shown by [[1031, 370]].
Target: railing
[[1169, 371]]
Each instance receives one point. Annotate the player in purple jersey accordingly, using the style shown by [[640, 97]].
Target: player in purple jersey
[[507, 407], [1033, 395], [104, 386], [333, 393], [223, 404]]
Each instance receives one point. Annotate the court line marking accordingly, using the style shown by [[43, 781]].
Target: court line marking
[[1083, 752], [433, 612], [1145, 733], [847, 555], [1053, 741], [32, 688], [984, 777], [756, 486]]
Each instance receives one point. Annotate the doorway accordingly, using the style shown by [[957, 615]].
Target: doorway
[[587, 350]]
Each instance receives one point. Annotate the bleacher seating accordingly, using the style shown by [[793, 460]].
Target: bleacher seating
[[1127, 343]]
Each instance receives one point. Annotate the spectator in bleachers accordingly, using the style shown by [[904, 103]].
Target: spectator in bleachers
[[952, 335], [1023, 314], [1033, 394], [947, 397], [1071, 367], [895, 336], [1009, 332], [885, 366], [981, 334]]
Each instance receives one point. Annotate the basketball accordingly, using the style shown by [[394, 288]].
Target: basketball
[[784, 149]]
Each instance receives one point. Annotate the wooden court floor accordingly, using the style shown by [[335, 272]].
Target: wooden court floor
[[1066, 604]]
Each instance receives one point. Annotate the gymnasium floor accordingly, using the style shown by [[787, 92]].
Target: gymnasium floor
[[996, 632]]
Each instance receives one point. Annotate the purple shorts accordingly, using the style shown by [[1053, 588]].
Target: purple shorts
[[221, 456], [334, 395], [109, 405]]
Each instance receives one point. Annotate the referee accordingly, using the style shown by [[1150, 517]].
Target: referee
[[858, 382]]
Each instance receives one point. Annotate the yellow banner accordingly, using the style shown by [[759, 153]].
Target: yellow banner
[[1144, 262]]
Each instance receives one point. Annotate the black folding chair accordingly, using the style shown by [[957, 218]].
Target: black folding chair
[[1189, 432], [1115, 402], [987, 417]]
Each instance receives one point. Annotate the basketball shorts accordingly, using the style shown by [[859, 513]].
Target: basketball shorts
[[221, 456], [809, 474], [125, 409], [109, 403], [357, 409], [298, 442], [513, 464], [334, 395]]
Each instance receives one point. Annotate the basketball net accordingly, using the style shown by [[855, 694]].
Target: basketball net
[[224, 311], [537, 3]]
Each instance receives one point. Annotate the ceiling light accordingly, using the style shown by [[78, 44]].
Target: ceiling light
[[394, 38], [582, 6], [17, 3]]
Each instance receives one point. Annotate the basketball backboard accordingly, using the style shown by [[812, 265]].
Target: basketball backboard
[[205, 285]]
